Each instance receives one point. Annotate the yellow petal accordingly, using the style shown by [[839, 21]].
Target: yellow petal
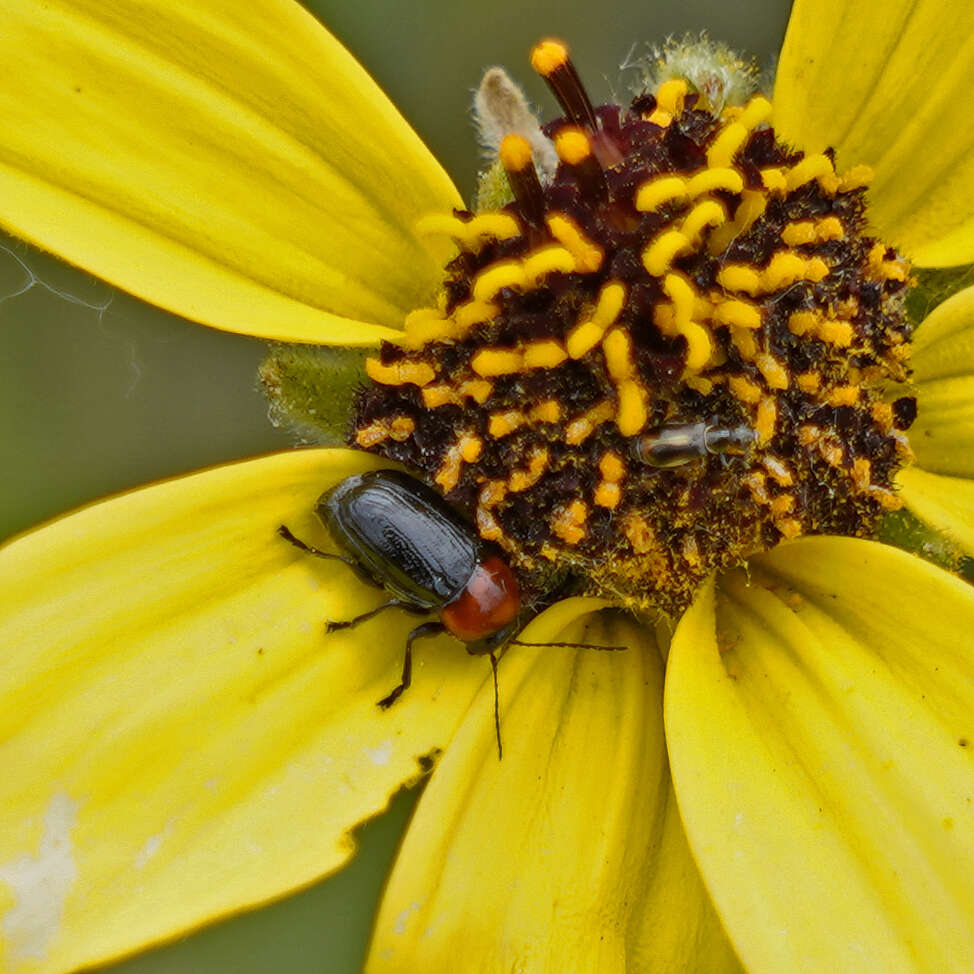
[[943, 362], [822, 749], [180, 739], [944, 503], [888, 84], [566, 855], [226, 161]]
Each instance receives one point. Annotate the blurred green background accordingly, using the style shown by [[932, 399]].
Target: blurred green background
[[100, 393]]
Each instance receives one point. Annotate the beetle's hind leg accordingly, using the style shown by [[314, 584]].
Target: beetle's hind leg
[[426, 629]]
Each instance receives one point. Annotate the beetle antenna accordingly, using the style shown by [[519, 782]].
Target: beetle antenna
[[497, 708], [612, 649]]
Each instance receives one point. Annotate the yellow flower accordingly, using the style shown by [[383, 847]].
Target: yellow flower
[[178, 739]]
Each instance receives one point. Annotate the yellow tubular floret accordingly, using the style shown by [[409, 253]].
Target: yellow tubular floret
[[515, 153], [711, 179], [670, 95], [572, 145], [811, 167], [653, 194], [497, 361], [547, 260], [617, 349], [504, 273], [399, 373], [659, 255], [727, 144], [707, 213], [588, 256]]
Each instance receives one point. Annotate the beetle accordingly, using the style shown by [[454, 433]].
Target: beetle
[[399, 535]]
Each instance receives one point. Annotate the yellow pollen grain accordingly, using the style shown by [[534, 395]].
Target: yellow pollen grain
[[567, 522], [612, 297], [639, 533], [670, 95], [582, 427], [547, 260], [838, 333], [544, 354], [744, 389], [682, 293], [727, 144], [700, 345], [783, 269], [426, 325], [515, 153], [466, 449], [497, 361], [708, 213], [659, 255], [856, 178], [441, 224], [829, 228], [798, 233], [774, 181], [739, 277], [521, 480], [487, 526], [757, 484], [548, 56], [495, 277], [789, 527], [809, 168], [583, 338], [474, 313], [751, 208], [783, 504], [491, 494], [588, 256], [500, 226], [740, 314], [477, 389], [572, 145], [766, 420], [773, 372], [631, 414], [882, 414], [503, 424], [778, 472], [400, 429], [653, 194], [708, 180], [471, 446], [843, 395], [808, 382], [440, 395], [862, 473], [745, 342], [617, 349], [611, 467], [802, 322], [699, 384], [548, 411], [399, 373], [816, 270], [756, 111], [607, 495]]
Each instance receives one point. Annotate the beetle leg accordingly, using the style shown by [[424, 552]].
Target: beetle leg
[[426, 629], [285, 533], [331, 627]]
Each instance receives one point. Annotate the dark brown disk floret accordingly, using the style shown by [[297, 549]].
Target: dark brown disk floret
[[673, 356]]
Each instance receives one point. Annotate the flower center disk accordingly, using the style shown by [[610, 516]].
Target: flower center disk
[[670, 355]]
